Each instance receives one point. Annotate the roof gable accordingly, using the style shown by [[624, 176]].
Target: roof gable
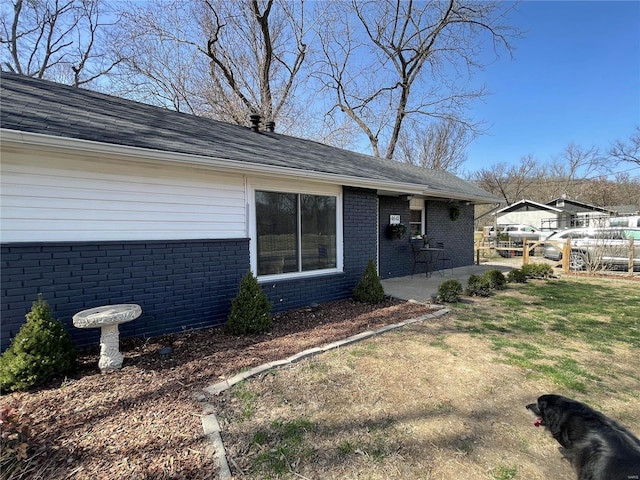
[[568, 205], [524, 204], [46, 108]]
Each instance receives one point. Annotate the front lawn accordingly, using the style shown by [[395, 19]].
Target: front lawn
[[445, 399]]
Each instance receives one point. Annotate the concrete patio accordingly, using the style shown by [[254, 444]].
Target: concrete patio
[[418, 287]]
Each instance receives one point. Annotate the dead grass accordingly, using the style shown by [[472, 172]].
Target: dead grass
[[437, 400]]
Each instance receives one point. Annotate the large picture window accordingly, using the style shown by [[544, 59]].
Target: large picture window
[[295, 232]]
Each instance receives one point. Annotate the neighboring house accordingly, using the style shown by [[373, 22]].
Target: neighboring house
[[624, 210], [557, 214], [108, 201]]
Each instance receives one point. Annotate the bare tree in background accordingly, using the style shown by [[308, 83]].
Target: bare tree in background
[[627, 151], [162, 65], [387, 60], [56, 39], [233, 57], [440, 146], [510, 182], [574, 165], [577, 173]]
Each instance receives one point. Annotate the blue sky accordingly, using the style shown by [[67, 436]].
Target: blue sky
[[575, 77]]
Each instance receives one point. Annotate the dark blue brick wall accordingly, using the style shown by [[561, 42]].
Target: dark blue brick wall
[[396, 258], [360, 214], [457, 236], [179, 284]]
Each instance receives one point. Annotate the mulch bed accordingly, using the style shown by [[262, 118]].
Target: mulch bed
[[143, 421]]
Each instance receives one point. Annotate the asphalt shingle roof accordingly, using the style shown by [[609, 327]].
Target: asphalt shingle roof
[[43, 107]]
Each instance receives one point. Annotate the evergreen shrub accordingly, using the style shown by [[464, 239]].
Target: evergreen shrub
[[369, 289], [537, 270], [496, 279], [449, 291], [516, 276], [478, 286], [41, 350], [250, 310]]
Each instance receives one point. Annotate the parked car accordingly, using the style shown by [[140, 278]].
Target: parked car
[[630, 221], [513, 235], [604, 247], [518, 232]]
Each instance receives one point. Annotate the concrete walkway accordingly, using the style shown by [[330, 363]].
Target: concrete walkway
[[420, 288]]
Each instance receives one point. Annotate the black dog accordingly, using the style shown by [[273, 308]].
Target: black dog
[[596, 446]]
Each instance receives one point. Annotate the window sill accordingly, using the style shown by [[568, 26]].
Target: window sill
[[278, 277]]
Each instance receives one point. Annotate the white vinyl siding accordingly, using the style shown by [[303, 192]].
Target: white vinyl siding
[[80, 199]]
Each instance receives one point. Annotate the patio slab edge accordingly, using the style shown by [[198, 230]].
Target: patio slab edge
[[210, 425]]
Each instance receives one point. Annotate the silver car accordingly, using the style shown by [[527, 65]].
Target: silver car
[[519, 231], [595, 248]]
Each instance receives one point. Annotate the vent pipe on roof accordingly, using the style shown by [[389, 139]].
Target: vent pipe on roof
[[255, 122], [270, 126]]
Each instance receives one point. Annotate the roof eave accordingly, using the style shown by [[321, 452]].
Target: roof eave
[[88, 147]]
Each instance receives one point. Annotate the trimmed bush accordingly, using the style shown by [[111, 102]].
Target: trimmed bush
[[496, 279], [369, 289], [449, 291], [250, 310], [41, 350], [516, 276], [537, 270], [478, 286]]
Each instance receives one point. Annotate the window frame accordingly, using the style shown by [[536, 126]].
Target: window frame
[[418, 205], [302, 189]]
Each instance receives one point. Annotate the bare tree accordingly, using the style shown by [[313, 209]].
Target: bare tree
[[511, 182], [576, 162], [627, 151], [387, 60], [56, 39], [440, 146], [231, 57], [572, 166], [256, 51], [162, 65]]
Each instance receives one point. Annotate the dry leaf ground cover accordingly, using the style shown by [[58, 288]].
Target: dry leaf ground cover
[[444, 399], [143, 421]]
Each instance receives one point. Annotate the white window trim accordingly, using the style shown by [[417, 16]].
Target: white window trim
[[418, 204], [288, 187]]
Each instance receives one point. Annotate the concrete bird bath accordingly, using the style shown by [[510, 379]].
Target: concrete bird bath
[[108, 318]]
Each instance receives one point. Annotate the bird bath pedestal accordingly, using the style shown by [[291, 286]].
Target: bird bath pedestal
[[108, 318]]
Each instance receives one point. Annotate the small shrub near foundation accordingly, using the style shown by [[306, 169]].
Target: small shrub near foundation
[[478, 286], [496, 279], [250, 310], [449, 291], [516, 276], [41, 350], [537, 270], [369, 289]]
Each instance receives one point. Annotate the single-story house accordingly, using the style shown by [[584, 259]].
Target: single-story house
[[109, 201], [557, 214]]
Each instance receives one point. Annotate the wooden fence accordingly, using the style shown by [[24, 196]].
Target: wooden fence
[[482, 244]]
